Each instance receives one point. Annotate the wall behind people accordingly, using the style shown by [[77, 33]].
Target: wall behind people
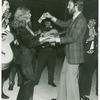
[[55, 7]]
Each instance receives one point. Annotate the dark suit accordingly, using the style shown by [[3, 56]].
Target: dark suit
[[46, 57], [26, 57], [87, 68], [73, 40]]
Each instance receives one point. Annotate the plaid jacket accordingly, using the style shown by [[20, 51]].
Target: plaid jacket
[[73, 39]]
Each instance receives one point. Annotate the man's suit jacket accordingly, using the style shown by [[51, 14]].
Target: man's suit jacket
[[73, 40]]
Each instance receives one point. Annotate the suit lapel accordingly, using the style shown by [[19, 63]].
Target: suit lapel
[[73, 22]]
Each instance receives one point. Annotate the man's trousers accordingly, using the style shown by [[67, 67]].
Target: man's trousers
[[68, 87]]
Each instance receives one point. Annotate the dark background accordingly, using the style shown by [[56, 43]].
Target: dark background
[[55, 7]]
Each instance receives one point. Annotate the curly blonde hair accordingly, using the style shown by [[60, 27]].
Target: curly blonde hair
[[20, 17]]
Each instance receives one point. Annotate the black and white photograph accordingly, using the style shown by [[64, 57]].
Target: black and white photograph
[[49, 49]]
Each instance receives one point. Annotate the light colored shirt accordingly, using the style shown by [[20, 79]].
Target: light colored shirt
[[76, 15]]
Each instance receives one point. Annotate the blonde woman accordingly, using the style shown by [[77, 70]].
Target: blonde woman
[[27, 41]]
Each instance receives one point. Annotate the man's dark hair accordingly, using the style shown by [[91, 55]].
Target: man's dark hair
[[79, 3]]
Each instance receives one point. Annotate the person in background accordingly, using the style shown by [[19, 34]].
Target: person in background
[[15, 67], [91, 60], [27, 41], [73, 40], [46, 53], [7, 38]]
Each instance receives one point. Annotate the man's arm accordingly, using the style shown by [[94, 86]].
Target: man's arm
[[62, 23], [55, 20]]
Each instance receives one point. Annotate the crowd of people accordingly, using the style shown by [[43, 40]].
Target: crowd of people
[[31, 52]]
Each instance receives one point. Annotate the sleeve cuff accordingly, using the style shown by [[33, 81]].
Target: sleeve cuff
[[54, 19]]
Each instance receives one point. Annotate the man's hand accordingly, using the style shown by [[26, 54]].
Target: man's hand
[[53, 39], [42, 18], [48, 15]]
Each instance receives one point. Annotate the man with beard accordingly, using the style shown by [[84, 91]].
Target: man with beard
[[73, 40]]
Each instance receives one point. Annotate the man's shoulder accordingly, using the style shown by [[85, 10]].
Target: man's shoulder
[[82, 20], [82, 17]]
